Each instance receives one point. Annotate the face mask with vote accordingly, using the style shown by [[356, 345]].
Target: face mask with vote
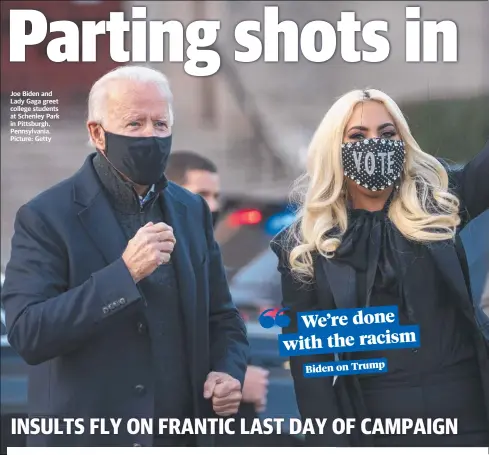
[[374, 163]]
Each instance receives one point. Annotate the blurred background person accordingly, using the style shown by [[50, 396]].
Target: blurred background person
[[198, 175]]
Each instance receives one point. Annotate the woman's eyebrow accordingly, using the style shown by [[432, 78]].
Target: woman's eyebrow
[[384, 125], [361, 128]]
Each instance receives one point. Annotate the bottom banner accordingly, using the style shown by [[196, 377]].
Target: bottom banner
[[236, 450]]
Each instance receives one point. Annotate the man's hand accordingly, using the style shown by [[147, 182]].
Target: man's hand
[[255, 388], [225, 392], [148, 249]]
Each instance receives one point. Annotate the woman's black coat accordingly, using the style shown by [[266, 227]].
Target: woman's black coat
[[335, 288]]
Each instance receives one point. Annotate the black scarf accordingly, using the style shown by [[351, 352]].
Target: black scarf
[[378, 252]]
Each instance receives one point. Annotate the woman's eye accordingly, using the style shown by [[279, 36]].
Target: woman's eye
[[388, 134], [357, 136]]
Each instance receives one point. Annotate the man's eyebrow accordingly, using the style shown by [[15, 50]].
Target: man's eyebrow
[[132, 116]]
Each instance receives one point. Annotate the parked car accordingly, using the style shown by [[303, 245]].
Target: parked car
[[246, 228]]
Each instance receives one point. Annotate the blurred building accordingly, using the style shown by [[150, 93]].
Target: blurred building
[[38, 73], [254, 119]]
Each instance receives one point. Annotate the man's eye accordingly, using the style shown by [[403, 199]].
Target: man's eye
[[161, 124], [133, 124]]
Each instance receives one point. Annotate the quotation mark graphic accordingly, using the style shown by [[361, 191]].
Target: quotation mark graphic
[[272, 317]]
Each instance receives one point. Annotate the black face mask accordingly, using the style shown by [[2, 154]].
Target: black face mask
[[215, 217], [141, 159], [374, 163]]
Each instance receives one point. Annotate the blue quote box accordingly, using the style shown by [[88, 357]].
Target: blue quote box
[[345, 368], [353, 336], [332, 320]]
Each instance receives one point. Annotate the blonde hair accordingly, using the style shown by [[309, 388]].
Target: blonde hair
[[423, 209]]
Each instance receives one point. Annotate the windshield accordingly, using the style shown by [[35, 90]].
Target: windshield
[[258, 281]]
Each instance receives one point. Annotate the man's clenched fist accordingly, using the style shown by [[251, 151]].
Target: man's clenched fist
[[149, 248], [255, 388], [225, 392]]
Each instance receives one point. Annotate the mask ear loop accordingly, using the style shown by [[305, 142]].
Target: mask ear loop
[[103, 152]]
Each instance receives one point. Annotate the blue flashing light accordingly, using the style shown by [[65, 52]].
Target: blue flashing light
[[278, 222]]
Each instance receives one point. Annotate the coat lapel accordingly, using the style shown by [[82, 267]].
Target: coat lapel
[[102, 227], [176, 216], [96, 214], [339, 280], [342, 282]]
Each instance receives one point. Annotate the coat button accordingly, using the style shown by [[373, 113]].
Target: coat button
[[140, 389], [141, 327], [415, 351]]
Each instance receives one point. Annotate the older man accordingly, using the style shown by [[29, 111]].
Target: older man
[[115, 292]]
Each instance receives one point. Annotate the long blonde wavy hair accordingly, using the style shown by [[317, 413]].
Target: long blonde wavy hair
[[423, 209]]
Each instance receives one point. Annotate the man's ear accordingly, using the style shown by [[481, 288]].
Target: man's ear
[[97, 134]]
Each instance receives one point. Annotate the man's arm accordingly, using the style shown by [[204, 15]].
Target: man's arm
[[485, 299], [471, 184], [44, 318], [229, 349], [484, 310]]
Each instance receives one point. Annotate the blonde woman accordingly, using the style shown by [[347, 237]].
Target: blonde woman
[[378, 225]]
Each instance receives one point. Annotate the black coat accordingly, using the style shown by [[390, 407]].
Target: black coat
[[335, 288], [73, 310]]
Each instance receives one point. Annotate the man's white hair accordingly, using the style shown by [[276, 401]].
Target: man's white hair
[[97, 98]]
